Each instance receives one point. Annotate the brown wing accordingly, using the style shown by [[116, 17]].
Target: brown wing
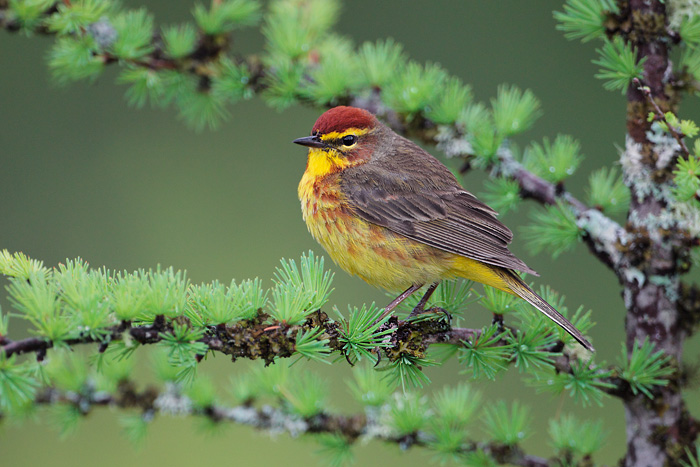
[[419, 197]]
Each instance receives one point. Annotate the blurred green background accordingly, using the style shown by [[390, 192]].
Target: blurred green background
[[81, 174]]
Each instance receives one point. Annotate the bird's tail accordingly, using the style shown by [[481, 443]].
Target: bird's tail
[[521, 289]]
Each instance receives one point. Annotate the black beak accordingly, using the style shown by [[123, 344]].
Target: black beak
[[310, 141]]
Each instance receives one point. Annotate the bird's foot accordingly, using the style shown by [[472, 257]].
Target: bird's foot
[[419, 314], [378, 351], [498, 321]]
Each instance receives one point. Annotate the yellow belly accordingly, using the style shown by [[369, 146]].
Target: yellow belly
[[377, 255]]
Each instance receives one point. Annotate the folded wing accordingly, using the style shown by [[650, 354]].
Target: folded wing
[[418, 197]]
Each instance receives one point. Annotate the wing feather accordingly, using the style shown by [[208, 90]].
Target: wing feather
[[420, 198]]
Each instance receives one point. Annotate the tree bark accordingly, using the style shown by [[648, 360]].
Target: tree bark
[[656, 430]]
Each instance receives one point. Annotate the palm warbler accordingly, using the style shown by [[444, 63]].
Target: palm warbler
[[389, 212]]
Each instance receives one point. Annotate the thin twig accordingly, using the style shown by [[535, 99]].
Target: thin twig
[[660, 115]]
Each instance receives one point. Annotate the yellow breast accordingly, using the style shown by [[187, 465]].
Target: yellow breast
[[374, 253]]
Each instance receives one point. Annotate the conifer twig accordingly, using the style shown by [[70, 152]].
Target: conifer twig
[[273, 419], [660, 115]]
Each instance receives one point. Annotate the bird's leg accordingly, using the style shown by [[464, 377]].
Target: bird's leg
[[395, 302], [420, 308]]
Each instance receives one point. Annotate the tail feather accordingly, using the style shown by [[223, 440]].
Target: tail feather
[[522, 290]]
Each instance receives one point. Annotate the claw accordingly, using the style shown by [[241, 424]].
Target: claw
[[347, 357], [379, 356], [447, 314]]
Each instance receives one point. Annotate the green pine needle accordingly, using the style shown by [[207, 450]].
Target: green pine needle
[[451, 102], [270, 380], [202, 392], [292, 32], [584, 19], [502, 194], [306, 393], [310, 277], [37, 301], [368, 387], [530, 348], [499, 302], [618, 64], [289, 304], [684, 127], [645, 368], [283, 84], [581, 319], [160, 364], [336, 74], [29, 13], [183, 346], [553, 161], [134, 34], [578, 437], [607, 191], [514, 111], [82, 295], [479, 458], [335, 449], [244, 388], [210, 303], [584, 383], [73, 18], [21, 266], [508, 427], [166, 293], [215, 304], [690, 30], [135, 427], [232, 82], [111, 370], [179, 41], [360, 333], [455, 407], [4, 324], [690, 61], [408, 370], [379, 61], [226, 16], [201, 109], [67, 371], [415, 88], [687, 178], [693, 459], [485, 355], [448, 442], [73, 59], [408, 413], [126, 295], [553, 229], [309, 346], [146, 85], [66, 419], [481, 133], [17, 384]]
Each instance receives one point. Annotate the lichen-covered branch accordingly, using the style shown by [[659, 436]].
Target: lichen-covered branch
[[252, 340], [367, 426]]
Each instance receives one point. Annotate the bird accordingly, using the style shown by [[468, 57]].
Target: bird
[[387, 211]]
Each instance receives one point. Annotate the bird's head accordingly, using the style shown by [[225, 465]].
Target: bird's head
[[342, 137]]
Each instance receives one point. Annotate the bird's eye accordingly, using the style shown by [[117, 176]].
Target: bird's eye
[[349, 140]]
